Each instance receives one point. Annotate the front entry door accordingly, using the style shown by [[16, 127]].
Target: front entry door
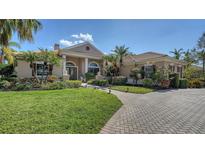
[[72, 71]]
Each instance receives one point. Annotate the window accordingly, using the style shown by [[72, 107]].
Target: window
[[87, 48], [93, 68], [39, 69], [148, 70], [171, 68]]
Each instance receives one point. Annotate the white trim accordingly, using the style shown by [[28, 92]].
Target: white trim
[[71, 66], [93, 62], [81, 44]]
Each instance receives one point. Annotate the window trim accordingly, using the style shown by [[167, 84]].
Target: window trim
[[71, 66], [93, 62]]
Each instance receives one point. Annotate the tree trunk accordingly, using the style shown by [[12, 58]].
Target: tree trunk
[[203, 66]]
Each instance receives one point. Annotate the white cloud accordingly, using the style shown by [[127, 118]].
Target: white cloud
[[66, 42], [78, 38], [83, 37]]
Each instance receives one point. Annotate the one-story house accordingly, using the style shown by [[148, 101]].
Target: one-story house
[[75, 62], [150, 61], [85, 57]]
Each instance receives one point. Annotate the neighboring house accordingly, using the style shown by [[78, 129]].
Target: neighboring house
[[75, 62], [151, 61]]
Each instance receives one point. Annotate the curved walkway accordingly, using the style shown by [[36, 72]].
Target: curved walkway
[[171, 111]]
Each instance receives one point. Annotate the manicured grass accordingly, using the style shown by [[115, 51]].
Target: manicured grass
[[56, 111], [132, 89]]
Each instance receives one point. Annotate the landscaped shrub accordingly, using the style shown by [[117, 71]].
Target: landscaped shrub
[[89, 76], [6, 70], [72, 83], [174, 80], [195, 83], [119, 80], [183, 83], [52, 78], [147, 82], [5, 84], [20, 87], [54, 85], [62, 85], [98, 82]]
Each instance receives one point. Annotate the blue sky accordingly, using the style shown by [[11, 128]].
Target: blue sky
[[139, 35]]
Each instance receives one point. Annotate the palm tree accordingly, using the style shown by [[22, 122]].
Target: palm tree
[[7, 52], [201, 54], [31, 57], [49, 59], [23, 27], [121, 51], [189, 56], [177, 53], [111, 67]]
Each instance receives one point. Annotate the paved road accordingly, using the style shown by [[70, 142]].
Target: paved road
[[174, 111]]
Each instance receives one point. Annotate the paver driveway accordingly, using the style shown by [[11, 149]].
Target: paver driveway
[[174, 111]]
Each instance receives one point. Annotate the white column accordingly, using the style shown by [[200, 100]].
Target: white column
[[86, 65], [64, 65]]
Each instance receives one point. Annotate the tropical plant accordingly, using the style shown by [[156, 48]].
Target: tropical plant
[[7, 52], [201, 53], [177, 53], [189, 56], [111, 68], [31, 57], [49, 59], [24, 28], [121, 51]]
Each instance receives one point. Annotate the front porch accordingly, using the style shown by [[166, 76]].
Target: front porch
[[75, 67]]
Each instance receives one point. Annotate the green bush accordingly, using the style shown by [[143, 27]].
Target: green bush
[[89, 76], [147, 82], [174, 80], [54, 86], [119, 80], [98, 82], [19, 87], [62, 85], [5, 84], [195, 83], [183, 83], [6, 70], [73, 83]]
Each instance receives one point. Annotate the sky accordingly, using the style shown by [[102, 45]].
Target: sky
[[139, 35]]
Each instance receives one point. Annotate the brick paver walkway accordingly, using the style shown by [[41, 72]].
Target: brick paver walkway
[[174, 111]]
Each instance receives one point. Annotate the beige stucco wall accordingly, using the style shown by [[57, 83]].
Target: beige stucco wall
[[58, 69], [23, 69]]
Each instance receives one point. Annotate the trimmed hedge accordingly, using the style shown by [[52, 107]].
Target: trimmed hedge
[[62, 85], [119, 80], [183, 83], [98, 82]]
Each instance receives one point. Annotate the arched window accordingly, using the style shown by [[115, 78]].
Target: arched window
[[93, 68], [70, 64]]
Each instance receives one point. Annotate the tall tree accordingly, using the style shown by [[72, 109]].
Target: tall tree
[[121, 51], [24, 28], [177, 53], [189, 56], [201, 53], [31, 57], [7, 52]]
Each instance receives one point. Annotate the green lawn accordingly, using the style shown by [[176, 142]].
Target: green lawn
[[56, 111], [132, 89]]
